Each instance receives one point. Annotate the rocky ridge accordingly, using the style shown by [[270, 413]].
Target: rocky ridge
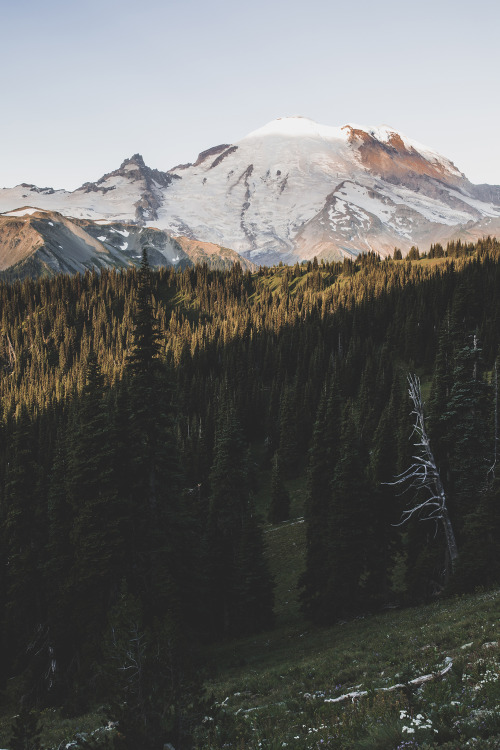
[[37, 243]]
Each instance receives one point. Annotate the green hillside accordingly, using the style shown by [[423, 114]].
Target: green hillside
[[274, 687], [200, 504]]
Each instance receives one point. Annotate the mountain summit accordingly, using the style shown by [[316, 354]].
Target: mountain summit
[[289, 191], [295, 188]]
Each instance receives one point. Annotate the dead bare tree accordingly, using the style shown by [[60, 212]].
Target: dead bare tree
[[423, 476]]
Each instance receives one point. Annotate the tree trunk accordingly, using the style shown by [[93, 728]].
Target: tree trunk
[[450, 538]]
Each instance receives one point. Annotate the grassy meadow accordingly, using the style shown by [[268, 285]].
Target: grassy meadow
[[277, 689]]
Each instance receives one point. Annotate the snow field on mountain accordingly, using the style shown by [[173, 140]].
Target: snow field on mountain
[[288, 189], [284, 181]]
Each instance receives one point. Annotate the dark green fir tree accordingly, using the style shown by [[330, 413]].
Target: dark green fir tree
[[26, 731], [159, 563], [323, 457], [350, 524], [280, 497], [238, 577]]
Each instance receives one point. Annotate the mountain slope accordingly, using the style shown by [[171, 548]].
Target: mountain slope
[[40, 243], [130, 193], [295, 189], [288, 191]]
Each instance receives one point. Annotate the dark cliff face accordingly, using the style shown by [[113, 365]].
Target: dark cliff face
[[214, 151], [488, 193], [149, 180], [133, 169]]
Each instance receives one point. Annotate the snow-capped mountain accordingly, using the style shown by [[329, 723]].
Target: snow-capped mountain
[[291, 190], [295, 189], [131, 193]]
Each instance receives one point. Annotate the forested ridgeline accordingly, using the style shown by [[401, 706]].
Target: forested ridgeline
[[131, 402]]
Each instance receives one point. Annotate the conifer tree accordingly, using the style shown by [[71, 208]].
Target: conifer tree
[[479, 562], [26, 731], [98, 513], [280, 498], [288, 450], [468, 428], [160, 553], [254, 597], [350, 523], [58, 569], [323, 457], [141, 675], [239, 580], [23, 534], [384, 539]]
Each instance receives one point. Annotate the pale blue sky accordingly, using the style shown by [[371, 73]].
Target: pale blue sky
[[87, 84]]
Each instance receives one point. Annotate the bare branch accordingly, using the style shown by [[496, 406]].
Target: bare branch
[[416, 682], [423, 475]]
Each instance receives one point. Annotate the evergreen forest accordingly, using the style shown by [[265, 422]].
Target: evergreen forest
[[140, 413]]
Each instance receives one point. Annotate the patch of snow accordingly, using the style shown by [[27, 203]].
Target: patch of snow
[[102, 238], [51, 223], [431, 209], [298, 127], [124, 246], [367, 199], [487, 209], [22, 212]]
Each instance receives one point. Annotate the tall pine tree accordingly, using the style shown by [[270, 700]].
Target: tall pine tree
[[239, 581]]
